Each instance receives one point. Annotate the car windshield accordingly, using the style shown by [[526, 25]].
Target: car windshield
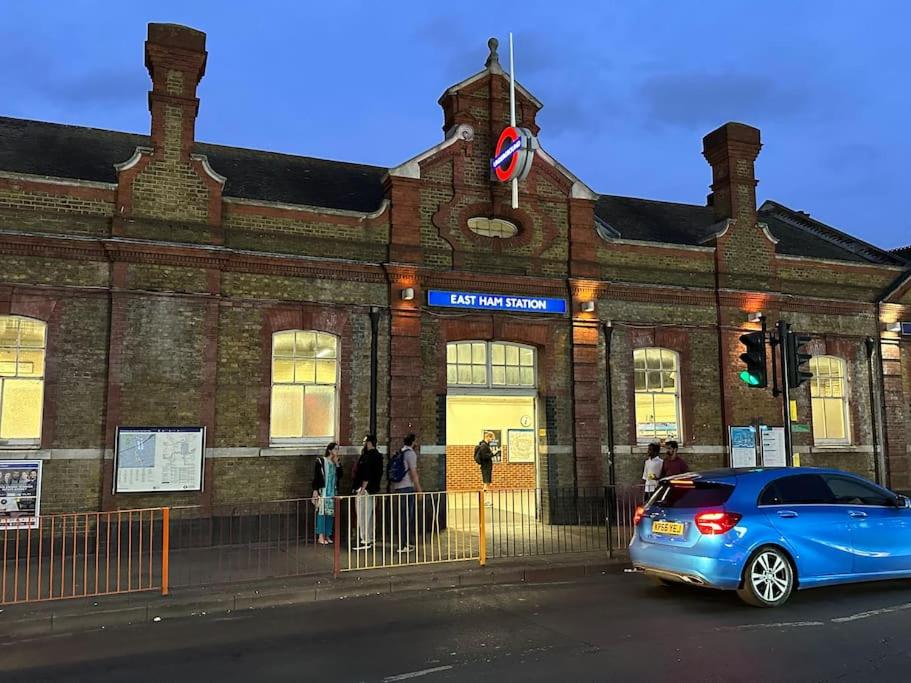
[[691, 495]]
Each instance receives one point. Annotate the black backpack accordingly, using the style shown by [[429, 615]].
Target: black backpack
[[396, 469]]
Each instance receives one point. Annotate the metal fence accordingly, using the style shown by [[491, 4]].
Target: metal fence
[[244, 542], [399, 529], [373, 531], [103, 553], [84, 554], [523, 522]]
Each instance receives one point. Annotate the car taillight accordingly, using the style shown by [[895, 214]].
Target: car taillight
[[716, 523], [638, 516]]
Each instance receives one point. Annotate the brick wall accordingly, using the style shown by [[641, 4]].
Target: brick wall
[[462, 472]]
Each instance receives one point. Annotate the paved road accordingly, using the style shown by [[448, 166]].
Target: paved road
[[612, 627]]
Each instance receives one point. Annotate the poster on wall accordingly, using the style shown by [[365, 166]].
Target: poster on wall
[[773, 454], [20, 494], [743, 447], [150, 459], [496, 444], [521, 443]]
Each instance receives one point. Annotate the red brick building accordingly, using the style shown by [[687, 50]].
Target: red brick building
[[282, 302]]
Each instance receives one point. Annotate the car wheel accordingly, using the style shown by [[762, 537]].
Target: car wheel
[[768, 579]]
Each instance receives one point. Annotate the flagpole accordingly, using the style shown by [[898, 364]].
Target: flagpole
[[512, 115]]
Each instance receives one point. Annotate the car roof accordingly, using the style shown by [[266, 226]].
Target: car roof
[[730, 475]]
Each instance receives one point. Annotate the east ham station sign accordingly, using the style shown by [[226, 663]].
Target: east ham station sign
[[496, 302]]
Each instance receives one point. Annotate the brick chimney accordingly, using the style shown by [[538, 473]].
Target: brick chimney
[[731, 151], [176, 59]]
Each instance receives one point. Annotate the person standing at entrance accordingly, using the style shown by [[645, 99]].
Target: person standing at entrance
[[368, 473], [673, 463], [483, 455], [651, 473], [326, 474], [403, 479]]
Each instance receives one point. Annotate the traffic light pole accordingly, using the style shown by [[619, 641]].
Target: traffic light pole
[[783, 331]]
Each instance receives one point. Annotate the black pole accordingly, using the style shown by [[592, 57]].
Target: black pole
[[609, 397], [870, 343], [374, 349], [783, 332]]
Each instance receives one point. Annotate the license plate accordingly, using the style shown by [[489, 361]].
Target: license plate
[[667, 528]]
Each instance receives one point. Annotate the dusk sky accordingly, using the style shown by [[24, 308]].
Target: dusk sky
[[629, 88]]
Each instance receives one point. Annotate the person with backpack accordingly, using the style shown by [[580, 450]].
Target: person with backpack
[[367, 475], [483, 455], [402, 473], [327, 473]]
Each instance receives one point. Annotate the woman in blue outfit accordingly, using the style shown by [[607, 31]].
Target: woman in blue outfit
[[326, 475]]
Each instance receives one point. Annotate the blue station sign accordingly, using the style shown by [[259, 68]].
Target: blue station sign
[[906, 328], [496, 302]]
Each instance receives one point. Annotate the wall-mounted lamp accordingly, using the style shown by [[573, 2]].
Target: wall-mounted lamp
[[755, 317], [588, 306], [407, 294]]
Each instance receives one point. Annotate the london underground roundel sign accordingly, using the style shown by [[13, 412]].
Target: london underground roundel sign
[[513, 154]]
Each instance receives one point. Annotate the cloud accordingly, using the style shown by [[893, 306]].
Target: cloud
[[694, 100]]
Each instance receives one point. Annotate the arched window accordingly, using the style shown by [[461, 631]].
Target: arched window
[[657, 387], [304, 387], [829, 402], [23, 344], [490, 365]]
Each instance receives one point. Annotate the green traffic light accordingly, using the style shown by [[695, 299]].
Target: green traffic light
[[752, 380]]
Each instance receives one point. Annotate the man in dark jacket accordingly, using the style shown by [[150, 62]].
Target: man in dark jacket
[[483, 455], [367, 476]]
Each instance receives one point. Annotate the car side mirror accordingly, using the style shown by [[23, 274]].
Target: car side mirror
[[903, 502]]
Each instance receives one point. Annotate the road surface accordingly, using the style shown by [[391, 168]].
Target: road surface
[[612, 627]]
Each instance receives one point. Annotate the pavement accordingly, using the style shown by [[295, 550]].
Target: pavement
[[127, 609], [601, 626]]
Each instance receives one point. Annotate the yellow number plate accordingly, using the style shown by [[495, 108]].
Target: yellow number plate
[[668, 528]]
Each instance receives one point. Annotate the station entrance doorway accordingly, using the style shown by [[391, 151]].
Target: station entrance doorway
[[492, 388]]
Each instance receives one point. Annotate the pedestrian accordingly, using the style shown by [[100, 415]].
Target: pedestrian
[[367, 475], [404, 480], [483, 455], [326, 475], [651, 473], [673, 463]]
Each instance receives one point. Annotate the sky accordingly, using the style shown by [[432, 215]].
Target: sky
[[629, 88]]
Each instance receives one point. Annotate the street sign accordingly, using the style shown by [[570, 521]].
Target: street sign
[[513, 154], [800, 427]]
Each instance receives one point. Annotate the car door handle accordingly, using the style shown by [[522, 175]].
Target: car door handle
[[857, 514], [787, 514]]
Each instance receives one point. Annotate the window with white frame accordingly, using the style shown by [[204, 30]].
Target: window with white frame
[[490, 365], [657, 391], [23, 344], [829, 402], [304, 387]]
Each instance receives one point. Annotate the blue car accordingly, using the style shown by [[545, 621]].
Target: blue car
[[766, 532]]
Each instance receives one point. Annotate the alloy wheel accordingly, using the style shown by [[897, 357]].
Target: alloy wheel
[[770, 576]]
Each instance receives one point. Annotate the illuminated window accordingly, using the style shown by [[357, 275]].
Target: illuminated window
[[304, 387], [23, 343], [828, 396], [493, 227], [490, 364], [657, 394]]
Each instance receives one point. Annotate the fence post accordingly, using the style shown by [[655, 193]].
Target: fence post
[[165, 547], [338, 538], [607, 512], [482, 531]]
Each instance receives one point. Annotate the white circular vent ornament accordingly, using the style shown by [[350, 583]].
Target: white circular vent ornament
[[493, 227]]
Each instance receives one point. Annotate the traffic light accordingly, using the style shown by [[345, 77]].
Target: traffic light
[[755, 374], [795, 348]]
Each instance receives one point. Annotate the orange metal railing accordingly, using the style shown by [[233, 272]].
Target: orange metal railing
[[84, 554]]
